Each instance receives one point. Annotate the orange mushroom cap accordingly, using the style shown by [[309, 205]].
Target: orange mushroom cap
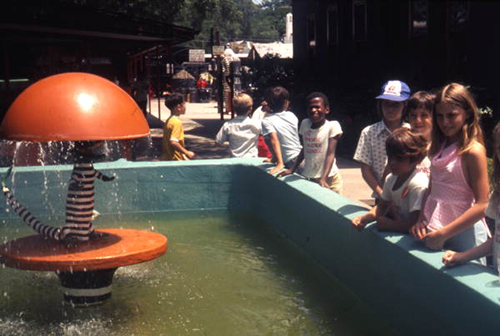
[[73, 107]]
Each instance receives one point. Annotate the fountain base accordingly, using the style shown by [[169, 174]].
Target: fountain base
[[85, 269], [86, 288]]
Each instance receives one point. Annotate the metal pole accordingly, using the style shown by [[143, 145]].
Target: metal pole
[[6, 67], [148, 64], [220, 89], [158, 72]]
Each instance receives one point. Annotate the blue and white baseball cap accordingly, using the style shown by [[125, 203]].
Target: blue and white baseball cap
[[395, 90]]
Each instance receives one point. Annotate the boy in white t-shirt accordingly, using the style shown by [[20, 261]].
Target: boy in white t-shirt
[[404, 187], [242, 132], [320, 138]]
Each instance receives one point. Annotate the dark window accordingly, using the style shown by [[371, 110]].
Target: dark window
[[458, 16], [311, 31], [359, 24], [332, 19], [419, 12], [311, 39]]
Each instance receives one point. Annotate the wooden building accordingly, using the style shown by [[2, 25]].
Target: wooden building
[[346, 45], [349, 48], [41, 38]]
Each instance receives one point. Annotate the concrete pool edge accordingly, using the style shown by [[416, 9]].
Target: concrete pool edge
[[391, 272]]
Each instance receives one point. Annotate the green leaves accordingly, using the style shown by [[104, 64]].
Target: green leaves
[[237, 19]]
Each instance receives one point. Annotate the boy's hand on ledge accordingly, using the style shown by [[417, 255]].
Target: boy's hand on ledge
[[360, 222], [190, 155], [276, 169], [285, 173], [323, 183], [418, 231], [267, 160], [452, 258]]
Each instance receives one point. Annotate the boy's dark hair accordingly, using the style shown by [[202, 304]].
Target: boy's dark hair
[[403, 143], [173, 100], [321, 95], [276, 98], [421, 99]]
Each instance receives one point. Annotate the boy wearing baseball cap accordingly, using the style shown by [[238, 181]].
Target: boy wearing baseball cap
[[370, 152]]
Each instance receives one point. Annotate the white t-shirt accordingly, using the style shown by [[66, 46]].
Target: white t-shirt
[[258, 114], [242, 134], [408, 197], [285, 125], [316, 146], [493, 211]]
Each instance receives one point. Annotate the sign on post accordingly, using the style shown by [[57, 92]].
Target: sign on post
[[217, 50], [196, 55]]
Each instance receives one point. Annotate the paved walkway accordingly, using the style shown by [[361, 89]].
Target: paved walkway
[[201, 124]]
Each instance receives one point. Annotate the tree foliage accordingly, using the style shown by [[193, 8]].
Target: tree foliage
[[272, 18], [160, 10], [236, 19]]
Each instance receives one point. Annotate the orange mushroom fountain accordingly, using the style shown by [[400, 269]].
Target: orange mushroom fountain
[[78, 107]]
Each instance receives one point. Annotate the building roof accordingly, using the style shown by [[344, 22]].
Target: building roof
[[284, 50], [34, 21]]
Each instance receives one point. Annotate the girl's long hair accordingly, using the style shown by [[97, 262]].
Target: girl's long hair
[[457, 95]]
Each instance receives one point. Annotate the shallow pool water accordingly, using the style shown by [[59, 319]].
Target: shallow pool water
[[224, 274]]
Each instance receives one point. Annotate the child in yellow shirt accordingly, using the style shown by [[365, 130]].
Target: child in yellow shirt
[[173, 132]]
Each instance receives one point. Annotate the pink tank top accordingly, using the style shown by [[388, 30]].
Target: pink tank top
[[450, 195]]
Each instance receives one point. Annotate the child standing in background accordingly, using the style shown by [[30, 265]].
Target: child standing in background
[[173, 132], [280, 129], [458, 191], [320, 138], [492, 245], [370, 152], [241, 132], [404, 187]]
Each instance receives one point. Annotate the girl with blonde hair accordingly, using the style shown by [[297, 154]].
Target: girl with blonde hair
[[458, 191]]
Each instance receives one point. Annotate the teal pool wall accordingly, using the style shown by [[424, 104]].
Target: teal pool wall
[[404, 282]]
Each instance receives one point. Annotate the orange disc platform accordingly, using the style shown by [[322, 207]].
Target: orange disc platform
[[121, 247], [85, 269]]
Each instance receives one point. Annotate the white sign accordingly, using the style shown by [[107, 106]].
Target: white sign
[[218, 50], [196, 55]]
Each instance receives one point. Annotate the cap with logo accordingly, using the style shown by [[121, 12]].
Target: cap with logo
[[395, 90]]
